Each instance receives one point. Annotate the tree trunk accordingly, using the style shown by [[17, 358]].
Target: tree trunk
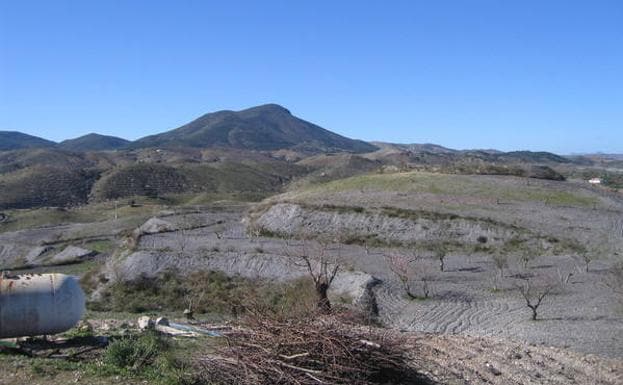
[[323, 300], [533, 313], [441, 264]]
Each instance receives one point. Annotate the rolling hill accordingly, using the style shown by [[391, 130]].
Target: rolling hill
[[13, 140], [93, 142], [266, 127]]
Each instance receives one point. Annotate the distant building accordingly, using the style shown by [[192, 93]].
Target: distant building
[[594, 181]]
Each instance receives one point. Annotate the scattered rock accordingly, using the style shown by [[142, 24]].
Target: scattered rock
[[71, 254], [155, 226], [145, 322], [35, 253], [189, 314], [493, 369]]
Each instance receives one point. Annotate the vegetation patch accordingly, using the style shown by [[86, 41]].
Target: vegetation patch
[[204, 292], [452, 185]]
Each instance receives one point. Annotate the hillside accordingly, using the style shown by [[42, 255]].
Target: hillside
[[13, 140], [40, 186], [266, 127], [93, 142]]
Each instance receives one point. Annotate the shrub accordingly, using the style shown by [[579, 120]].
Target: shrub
[[134, 352], [149, 356], [206, 292]]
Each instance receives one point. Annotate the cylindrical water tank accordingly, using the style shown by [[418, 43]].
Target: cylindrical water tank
[[39, 304]]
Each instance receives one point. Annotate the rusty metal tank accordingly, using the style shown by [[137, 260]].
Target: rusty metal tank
[[39, 304]]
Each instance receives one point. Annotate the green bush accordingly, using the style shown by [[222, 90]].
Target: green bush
[[134, 352], [149, 356]]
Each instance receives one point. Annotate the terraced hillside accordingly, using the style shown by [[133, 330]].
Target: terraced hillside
[[45, 186], [497, 234], [562, 210]]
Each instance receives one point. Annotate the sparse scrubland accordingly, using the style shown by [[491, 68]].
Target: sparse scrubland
[[409, 264], [506, 276]]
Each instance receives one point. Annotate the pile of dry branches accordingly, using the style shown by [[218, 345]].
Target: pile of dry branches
[[318, 351]]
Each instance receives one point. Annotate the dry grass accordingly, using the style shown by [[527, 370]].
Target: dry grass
[[320, 350]]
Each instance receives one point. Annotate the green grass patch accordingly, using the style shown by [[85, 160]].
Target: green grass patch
[[453, 185]]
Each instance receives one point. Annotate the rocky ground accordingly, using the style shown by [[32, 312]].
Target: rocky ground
[[474, 327], [437, 358], [583, 316], [462, 360]]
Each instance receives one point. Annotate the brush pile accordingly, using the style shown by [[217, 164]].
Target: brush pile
[[317, 351]]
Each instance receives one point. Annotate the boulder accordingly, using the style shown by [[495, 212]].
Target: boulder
[[154, 226], [145, 322], [35, 253], [71, 254]]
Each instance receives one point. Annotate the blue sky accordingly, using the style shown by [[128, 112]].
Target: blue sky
[[538, 75]]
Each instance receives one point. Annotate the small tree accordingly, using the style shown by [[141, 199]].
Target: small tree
[[321, 266], [526, 256], [440, 248], [564, 276], [404, 268], [534, 296], [617, 225], [614, 281], [586, 257], [441, 251], [182, 234], [500, 262]]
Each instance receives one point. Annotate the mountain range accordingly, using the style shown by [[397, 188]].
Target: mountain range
[[248, 155], [265, 127], [268, 127], [13, 140]]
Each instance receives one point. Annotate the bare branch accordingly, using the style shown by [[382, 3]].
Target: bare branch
[[534, 296]]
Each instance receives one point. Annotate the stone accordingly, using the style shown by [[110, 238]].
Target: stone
[[162, 321], [145, 322], [71, 254]]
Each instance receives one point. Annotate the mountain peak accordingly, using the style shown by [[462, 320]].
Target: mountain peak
[[266, 127], [270, 107], [93, 142]]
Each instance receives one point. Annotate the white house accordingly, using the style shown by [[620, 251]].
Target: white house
[[594, 181]]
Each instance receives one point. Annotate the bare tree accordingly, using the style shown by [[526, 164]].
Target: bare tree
[[534, 295], [182, 234], [500, 260], [441, 251], [526, 256], [564, 276], [408, 273], [617, 225], [586, 257], [322, 266], [191, 300], [402, 269], [614, 281], [440, 248]]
